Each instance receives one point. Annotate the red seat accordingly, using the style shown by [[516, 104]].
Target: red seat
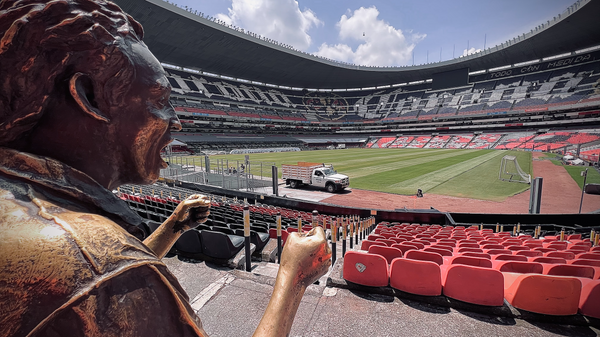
[[397, 240], [585, 262], [365, 269], [441, 246], [512, 243], [564, 255], [497, 251], [495, 240], [581, 243], [528, 253], [425, 243], [423, 235], [389, 253], [447, 242], [519, 267], [517, 248], [480, 255], [419, 245], [595, 249], [569, 270], [387, 242], [374, 237], [550, 260], [416, 277], [589, 302], [365, 244], [507, 257], [589, 256], [471, 261], [543, 294], [472, 250], [425, 256], [468, 245], [533, 244], [404, 248], [432, 240], [442, 252], [387, 235], [477, 285], [578, 249], [284, 235], [492, 246], [545, 250], [558, 245]]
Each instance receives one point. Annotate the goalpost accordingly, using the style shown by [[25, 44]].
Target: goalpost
[[511, 171]]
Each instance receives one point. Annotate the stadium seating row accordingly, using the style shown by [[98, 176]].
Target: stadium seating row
[[540, 91], [546, 276]]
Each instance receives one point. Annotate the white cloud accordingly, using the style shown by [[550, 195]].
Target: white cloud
[[280, 20], [379, 43], [470, 51]]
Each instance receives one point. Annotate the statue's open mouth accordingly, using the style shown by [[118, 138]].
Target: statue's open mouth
[[163, 163]]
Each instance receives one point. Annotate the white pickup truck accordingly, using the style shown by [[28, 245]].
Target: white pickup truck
[[314, 174]]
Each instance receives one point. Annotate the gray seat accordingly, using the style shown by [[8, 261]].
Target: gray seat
[[220, 245], [189, 244], [259, 239]]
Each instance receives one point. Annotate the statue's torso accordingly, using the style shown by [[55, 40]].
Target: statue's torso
[[66, 271]]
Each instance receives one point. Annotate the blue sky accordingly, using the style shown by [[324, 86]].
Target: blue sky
[[384, 33]]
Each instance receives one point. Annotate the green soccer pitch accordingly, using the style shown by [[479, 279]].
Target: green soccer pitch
[[454, 172]]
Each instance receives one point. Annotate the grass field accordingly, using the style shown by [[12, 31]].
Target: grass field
[[575, 172], [465, 173]]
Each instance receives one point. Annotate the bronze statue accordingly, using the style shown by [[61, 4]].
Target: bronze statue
[[84, 108]]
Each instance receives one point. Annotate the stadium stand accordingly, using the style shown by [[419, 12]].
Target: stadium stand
[[551, 286], [224, 104]]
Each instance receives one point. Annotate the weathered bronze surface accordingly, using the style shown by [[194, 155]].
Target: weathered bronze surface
[[84, 108]]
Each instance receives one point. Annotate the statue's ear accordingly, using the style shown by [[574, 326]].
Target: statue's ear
[[81, 88]]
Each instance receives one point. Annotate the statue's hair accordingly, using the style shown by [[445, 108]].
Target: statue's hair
[[44, 43]]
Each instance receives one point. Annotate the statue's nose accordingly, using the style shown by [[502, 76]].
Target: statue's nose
[[175, 124]]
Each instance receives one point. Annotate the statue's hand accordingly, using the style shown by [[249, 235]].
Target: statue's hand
[[190, 213], [306, 256]]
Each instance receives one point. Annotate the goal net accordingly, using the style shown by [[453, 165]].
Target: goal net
[[511, 171]]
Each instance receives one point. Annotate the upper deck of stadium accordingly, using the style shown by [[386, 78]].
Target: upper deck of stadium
[[185, 39]]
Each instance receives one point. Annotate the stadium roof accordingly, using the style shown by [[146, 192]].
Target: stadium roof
[[181, 38]]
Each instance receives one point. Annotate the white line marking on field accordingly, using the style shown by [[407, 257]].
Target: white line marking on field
[[207, 293]]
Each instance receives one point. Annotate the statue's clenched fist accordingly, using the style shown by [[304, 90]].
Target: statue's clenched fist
[[307, 255], [190, 213]]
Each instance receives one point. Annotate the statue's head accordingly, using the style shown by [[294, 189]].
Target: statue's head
[[80, 66]]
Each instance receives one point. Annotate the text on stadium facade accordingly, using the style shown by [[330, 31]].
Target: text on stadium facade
[[548, 65]]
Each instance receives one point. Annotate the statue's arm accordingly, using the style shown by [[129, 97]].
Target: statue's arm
[[305, 258], [188, 214]]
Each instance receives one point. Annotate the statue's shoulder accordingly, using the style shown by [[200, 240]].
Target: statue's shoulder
[[32, 221]]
